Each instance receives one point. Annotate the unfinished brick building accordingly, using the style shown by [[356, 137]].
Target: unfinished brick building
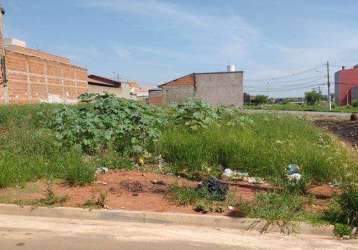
[[214, 88], [32, 76]]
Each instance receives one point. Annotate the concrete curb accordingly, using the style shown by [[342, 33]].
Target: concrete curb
[[160, 218]]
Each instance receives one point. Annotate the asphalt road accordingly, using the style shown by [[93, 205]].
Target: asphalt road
[[37, 233]]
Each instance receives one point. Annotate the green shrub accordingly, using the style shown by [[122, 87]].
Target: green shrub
[[348, 202], [355, 103], [261, 99], [344, 209], [105, 122], [312, 98], [341, 230], [194, 114]]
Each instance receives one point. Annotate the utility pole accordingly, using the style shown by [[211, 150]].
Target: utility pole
[[329, 88]]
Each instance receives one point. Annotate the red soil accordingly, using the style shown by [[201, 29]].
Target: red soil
[[151, 197]]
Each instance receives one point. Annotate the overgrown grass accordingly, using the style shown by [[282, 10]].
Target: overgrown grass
[[30, 154], [280, 209], [303, 107], [262, 145], [30, 151], [196, 140], [184, 196]]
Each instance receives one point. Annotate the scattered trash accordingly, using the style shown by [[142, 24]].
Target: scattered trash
[[214, 189], [253, 180], [293, 173], [140, 161], [293, 169], [230, 208], [102, 170], [234, 174], [294, 177], [228, 173]]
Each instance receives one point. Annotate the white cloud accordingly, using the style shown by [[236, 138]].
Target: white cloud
[[123, 53], [224, 38]]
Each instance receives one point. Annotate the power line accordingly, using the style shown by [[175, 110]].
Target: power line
[[290, 89], [293, 85], [286, 76]]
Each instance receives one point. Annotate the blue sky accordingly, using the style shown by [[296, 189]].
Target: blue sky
[[154, 41]]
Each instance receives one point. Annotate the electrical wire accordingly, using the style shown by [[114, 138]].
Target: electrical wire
[[286, 76]]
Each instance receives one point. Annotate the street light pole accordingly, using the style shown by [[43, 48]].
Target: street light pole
[[329, 88]]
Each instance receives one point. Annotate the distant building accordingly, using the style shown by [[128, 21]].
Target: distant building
[[346, 85], [216, 88], [137, 92], [156, 97], [100, 84], [33, 76]]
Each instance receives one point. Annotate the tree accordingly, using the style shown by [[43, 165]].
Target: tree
[[312, 97], [261, 99], [355, 103]]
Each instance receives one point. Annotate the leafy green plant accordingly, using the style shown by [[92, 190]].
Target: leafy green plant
[[108, 122], [194, 114], [341, 230]]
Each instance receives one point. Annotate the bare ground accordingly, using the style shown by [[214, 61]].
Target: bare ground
[[123, 190], [345, 130]]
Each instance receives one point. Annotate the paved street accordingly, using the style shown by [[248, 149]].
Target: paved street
[[36, 233]]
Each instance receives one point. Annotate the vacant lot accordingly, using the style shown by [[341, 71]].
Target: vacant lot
[[57, 155]]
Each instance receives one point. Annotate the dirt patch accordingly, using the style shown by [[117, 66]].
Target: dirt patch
[[323, 192], [123, 190], [347, 131]]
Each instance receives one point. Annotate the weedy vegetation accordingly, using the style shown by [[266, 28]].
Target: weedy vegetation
[[277, 208], [194, 140]]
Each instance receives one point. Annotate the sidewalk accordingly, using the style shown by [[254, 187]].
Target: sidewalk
[[27, 232]]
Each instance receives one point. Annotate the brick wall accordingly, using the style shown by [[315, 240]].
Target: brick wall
[[178, 90], [35, 76], [155, 97], [223, 88]]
